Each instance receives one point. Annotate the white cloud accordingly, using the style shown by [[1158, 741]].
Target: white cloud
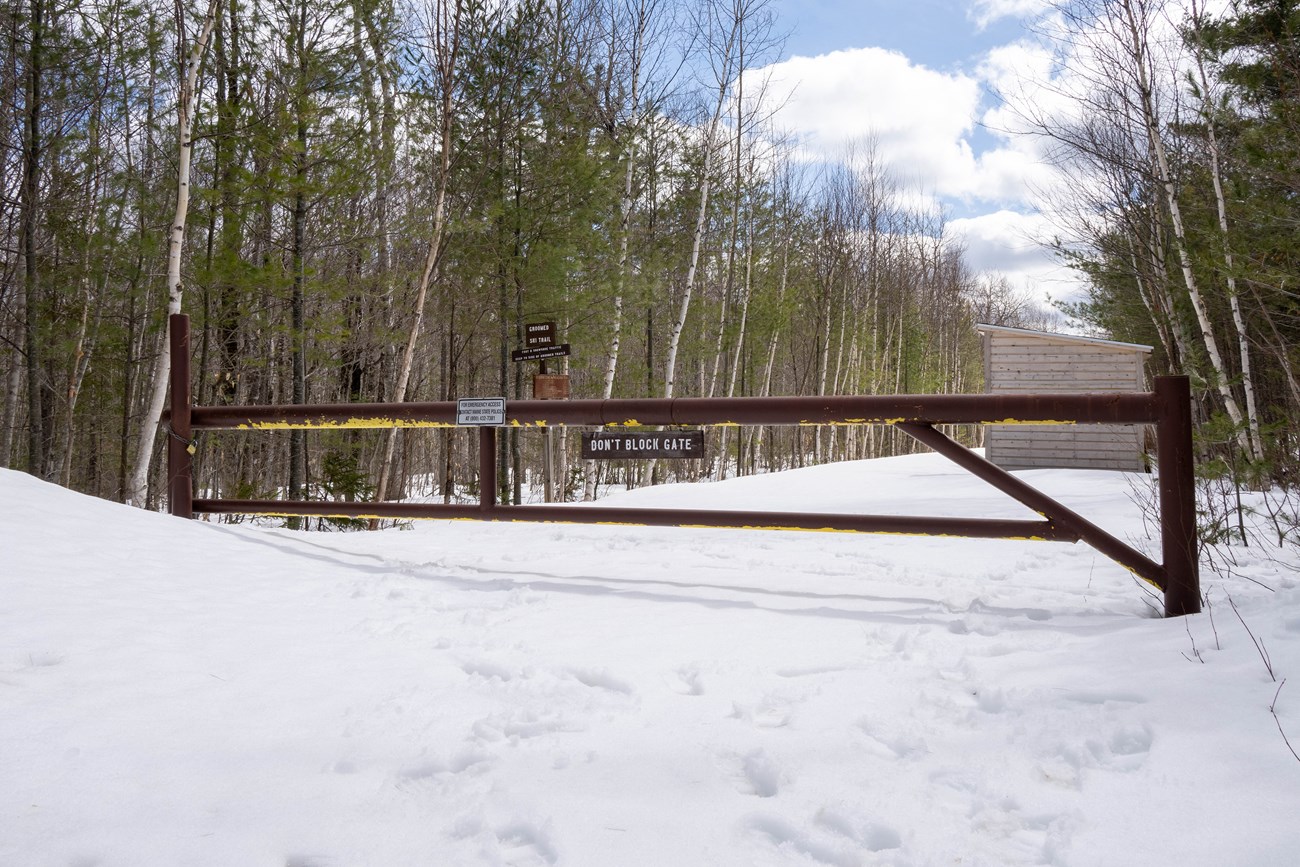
[[1026, 73], [950, 142], [985, 12], [922, 121], [1013, 245]]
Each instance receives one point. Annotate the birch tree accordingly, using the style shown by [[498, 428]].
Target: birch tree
[[1203, 89], [186, 107], [444, 34], [722, 25], [634, 29], [1114, 39]]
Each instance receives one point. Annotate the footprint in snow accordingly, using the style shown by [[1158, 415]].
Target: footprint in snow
[[44, 659], [771, 712], [517, 841], [1105, 698], [812, 671], [991, 700], [685, 681], [788, 838], [599, 678], [874, 836], [1124, 749], [463, 761], [759, 775], [1131, 740], [891, 744], [488, 670], [525, 843], [521, 725]]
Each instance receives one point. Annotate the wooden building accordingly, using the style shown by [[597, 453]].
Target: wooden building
[[1019, 361]]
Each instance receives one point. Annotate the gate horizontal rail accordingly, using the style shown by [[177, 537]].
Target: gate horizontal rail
[[1123, 408], [1168, 407], [976, 528]]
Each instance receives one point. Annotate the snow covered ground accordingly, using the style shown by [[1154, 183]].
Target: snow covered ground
[[189, 693]]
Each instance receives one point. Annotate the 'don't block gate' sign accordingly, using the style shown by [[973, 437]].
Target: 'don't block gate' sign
[[659, 444]]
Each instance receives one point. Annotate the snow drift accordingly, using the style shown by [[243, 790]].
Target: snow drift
[[192, 693]]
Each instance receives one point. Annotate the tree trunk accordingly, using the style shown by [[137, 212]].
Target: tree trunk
[[736, 359], [137, 487], [727, 64], [9, 416], [1256, 444], [446, 47], [297, 313], [772, 344], [1137, 33], [32, 304]]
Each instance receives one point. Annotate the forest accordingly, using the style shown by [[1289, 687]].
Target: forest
[[370, 201]]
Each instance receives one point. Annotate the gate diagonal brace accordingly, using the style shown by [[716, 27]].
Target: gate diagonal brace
[[1071, 522]]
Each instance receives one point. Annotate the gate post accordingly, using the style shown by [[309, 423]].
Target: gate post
[[487, 467], [180, 460], [1174, 463]]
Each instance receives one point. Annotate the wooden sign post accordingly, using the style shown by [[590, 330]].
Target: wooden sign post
[[539, 345]]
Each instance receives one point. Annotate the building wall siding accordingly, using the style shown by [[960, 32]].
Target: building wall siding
[[1020, 363]]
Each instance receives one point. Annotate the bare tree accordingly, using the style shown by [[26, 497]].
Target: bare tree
[[186, 101], [722, 26], [1114, 50], [1206, 92], [444, 20], [634, 28]]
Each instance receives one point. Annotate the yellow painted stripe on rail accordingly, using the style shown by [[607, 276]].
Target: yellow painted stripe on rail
[[350, 424], [389, 423], [772, 527]]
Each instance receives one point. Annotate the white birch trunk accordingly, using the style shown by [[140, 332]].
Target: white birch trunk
[[626, 201], [615, 340], [616, 327], [1256, 448], [740, 345], [679, 324], [706, 178], [718, 352], [138, 484], [771, 349], [448, 45], [1141, 57]]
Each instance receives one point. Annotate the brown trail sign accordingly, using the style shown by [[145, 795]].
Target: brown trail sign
[[550, 386], [539, 345], [539, 334]]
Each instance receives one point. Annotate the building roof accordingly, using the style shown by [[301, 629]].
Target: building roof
[[1069, 338]]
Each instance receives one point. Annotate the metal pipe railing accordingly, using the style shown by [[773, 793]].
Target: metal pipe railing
[[1122, 408], [1168, 407]]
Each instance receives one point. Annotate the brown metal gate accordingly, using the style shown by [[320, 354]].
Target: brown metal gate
[[1168, 407]]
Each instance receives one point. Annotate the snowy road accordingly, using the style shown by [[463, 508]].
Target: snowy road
[[584, 695]]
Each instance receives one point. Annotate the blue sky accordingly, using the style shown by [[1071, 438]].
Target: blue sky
[[919, 76], [941, 34]]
